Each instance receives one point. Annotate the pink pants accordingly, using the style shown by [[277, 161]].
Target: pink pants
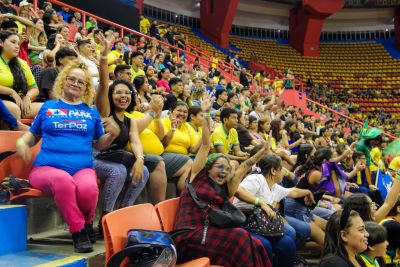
[[75, 196]]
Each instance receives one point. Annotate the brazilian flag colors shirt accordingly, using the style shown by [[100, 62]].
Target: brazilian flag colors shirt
[[67, 131]]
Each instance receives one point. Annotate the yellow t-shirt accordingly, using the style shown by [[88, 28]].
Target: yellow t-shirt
[[112, 56], [368, 262], [376, 155], [197, 134], [7, 79], [144, 25], [183, 138], [221, 138], [395, 163], [150, 141], [136, 73], [214, 62]]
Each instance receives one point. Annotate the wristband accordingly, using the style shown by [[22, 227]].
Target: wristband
[[257, 202], [156, 119], [103, 57], [286, 173], [207, 115], [173, 129], [20, 142]]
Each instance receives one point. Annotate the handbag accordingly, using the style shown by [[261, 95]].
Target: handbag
[[228, 216], [147, 248], [117, 155], [259, 223]]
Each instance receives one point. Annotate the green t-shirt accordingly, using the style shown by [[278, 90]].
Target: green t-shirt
[[362, 147]]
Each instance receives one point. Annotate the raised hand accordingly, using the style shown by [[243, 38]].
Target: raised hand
[[156, 104], [106, 43], [207, 101]]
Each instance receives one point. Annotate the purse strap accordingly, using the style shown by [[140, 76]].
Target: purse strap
[[193, 194]]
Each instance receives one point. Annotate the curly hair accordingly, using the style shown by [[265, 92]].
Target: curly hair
[[20, 84], [58, 87]]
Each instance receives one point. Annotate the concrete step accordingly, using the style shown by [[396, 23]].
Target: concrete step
[[54, 248]]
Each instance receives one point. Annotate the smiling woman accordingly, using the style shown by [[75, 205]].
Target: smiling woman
[[63, 169], [17, 85]]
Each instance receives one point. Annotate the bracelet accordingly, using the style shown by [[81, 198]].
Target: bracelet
[[140, 157], [257, 202], [207, 115], [20, 142]]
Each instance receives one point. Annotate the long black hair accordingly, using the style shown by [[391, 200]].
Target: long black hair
[[303, 154], [139, 81], [334, 244], [322, 154], [359, 202], [132, 105], [20, 84]]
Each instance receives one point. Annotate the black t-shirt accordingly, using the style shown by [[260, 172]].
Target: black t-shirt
[[243, 80], [123, 138], [7, 9], [49, 29], [307, 125], [47, 80], [337, 261], [244, 137], [170, 37], [170, 101], [216, 106]]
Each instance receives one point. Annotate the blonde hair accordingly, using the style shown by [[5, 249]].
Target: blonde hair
[[58, 87]]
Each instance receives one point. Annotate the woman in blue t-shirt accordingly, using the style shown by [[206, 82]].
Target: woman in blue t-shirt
[[69, 127]]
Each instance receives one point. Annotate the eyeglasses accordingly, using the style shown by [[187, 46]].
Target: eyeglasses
[[122, 92], [79, 82], [222, 167]]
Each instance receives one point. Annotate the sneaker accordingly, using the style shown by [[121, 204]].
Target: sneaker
[[81, 242], [90, 232]]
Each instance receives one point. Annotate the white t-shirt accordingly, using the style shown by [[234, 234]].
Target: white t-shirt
[[257, 185], [255, 114], [93, 70]]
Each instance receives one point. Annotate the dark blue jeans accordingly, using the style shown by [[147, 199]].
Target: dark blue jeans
[[6, 116], [284, 249]]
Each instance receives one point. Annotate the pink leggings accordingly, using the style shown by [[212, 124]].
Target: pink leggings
[[75, 196]]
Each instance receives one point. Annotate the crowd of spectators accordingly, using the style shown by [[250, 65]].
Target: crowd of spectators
[[131, 111]]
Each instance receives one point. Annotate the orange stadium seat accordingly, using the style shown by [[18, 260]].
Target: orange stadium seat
[[117, 224]]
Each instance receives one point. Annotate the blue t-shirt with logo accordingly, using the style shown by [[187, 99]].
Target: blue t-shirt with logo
[[67, 133]]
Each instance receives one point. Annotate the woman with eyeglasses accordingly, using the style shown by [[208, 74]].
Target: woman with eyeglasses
[[18, 87], [368, 209], [114, 101], [69, 127], [345, 238], [214, 181]]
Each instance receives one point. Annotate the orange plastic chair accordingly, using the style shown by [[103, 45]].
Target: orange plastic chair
[[15, 165], [166, 211], [116, 225]]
